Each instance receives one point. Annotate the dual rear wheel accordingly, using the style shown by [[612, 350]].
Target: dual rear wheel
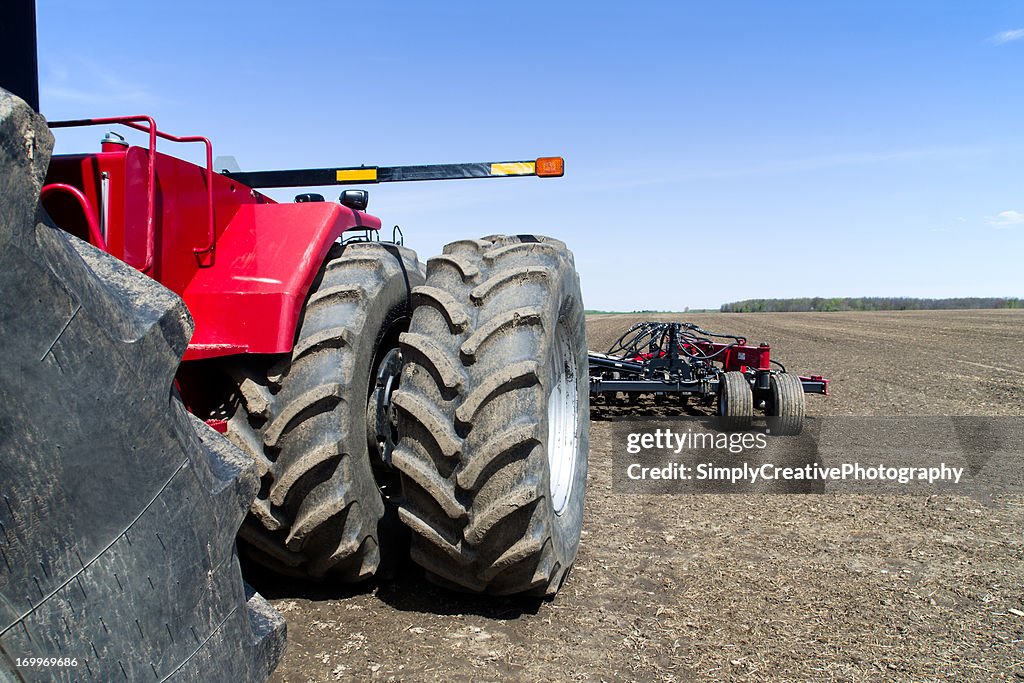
[[452, 399]]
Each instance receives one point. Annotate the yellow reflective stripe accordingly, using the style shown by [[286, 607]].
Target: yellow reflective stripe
[[355, 174], [514, 168]]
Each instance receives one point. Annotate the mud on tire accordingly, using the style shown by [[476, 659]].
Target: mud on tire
[[119, 509], [320, 511], [492, 412]]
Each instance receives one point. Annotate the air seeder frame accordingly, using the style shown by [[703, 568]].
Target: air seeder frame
[[682, 359]]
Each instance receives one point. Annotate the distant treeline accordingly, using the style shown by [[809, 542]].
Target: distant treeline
[[866, 303], [596, 311]]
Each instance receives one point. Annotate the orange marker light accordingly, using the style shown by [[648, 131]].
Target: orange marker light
[[550, 167]]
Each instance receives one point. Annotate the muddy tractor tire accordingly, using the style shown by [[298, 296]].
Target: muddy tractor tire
[[119, 510], [310, 421], [493, 417]]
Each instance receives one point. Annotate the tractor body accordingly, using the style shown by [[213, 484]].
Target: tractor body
[[306, 321], [372, 407], [242, 262]]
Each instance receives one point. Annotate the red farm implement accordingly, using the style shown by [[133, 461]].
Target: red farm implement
[[681, 359]]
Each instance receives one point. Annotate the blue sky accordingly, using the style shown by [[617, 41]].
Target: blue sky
[[713, 152]]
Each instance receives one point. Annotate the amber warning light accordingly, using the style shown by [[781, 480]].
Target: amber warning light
[[550, 167]]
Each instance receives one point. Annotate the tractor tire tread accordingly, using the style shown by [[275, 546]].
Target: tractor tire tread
[[321, 482], [472, 455]]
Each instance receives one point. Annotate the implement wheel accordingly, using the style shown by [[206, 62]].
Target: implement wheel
[[493, 417], [785, 405], [735, 402]]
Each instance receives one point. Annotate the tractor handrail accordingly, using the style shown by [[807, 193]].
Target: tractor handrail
[[135, 122], [86, 206]]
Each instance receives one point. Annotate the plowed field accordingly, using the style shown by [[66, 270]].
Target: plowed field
[[744, 587]]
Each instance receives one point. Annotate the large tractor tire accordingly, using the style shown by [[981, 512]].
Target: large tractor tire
[[119, 511], [310, 421], [493, 417]]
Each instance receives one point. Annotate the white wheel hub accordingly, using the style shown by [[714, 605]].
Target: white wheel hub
[[563, 420]]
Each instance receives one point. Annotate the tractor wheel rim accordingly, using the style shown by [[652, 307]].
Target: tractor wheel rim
[[563, 420], [380, 417]]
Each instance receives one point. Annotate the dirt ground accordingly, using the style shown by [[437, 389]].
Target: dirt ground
[[743, 587]]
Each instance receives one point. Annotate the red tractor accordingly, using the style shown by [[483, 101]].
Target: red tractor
[[377, 405], [370, 391]]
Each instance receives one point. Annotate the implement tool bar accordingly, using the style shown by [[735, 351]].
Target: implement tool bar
[[362, 175]]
